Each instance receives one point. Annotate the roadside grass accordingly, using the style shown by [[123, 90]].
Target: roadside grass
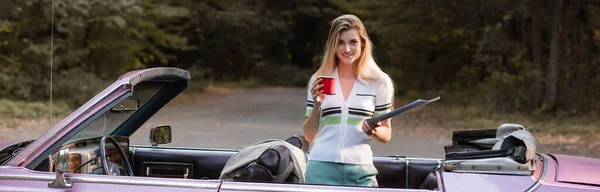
[[20, 120], [454, 117], [13, 112]]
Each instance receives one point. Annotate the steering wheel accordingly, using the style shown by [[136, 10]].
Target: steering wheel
[[104, 162]]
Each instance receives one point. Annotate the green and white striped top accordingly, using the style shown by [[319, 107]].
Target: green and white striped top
[[340, 138]]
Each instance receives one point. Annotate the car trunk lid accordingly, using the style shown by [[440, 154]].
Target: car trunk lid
[[580, 170]]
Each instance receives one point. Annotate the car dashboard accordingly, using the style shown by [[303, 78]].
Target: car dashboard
[[84, 157]]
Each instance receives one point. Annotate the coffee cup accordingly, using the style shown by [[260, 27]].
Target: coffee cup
[[328, 85]]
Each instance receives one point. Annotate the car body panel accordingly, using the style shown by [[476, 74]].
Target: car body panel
[[490, 182], [280, 187], [566, 188], [455, 181], [550, 183], [580, 170], [21, 179], [4, 144]]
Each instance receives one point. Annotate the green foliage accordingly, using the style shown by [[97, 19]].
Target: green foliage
[[94, 41], [494, 53]]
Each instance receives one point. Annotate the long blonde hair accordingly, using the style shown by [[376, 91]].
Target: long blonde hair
[[366, 67]]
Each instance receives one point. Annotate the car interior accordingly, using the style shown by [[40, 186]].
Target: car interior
[[272, 166]]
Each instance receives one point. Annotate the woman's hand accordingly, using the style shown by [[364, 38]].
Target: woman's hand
[[368, 129], [316, 92]]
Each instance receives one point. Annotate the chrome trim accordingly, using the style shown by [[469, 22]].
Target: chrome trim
[[152, 73], [185, 148], [132, 150], [406, 168], [398, 158], [417, 158], [161, 182], [539, 182], [509, 172], [62, 165], [114, 180], [185, 175], [187, 172], [60, 182]]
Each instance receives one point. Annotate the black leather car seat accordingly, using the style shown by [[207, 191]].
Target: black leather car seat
[[422, 171], [430, 182], [300, 142], [274, 164], [393, 173]]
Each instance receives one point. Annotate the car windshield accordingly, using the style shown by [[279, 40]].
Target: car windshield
[[110, 120]]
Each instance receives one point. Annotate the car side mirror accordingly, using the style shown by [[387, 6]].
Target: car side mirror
[[62, 166], [160, 135]]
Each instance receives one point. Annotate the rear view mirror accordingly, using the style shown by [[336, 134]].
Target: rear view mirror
[[160, 135], [126, 106]]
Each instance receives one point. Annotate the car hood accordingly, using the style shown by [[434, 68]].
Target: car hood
[[3, 144], [579, 170]]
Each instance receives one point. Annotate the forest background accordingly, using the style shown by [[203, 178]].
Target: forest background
[[533, 62]]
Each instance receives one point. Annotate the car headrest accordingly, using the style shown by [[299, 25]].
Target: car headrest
[[274, 164], [277, 159], [300, 142]]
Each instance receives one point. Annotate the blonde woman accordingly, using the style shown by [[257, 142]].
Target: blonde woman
[[341, 154]]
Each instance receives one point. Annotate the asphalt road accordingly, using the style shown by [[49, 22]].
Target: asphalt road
[[248, 116]]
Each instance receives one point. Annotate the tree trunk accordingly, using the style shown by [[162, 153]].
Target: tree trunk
[[536, 25], [554, 59], [536, 41]]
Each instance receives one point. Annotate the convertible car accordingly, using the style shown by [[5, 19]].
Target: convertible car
[[89, 151]]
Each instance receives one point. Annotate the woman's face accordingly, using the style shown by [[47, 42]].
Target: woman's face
[[348, 47]]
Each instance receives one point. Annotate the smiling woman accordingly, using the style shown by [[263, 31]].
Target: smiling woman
[[335, 123]]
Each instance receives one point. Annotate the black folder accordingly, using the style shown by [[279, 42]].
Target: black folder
[[398, 111]]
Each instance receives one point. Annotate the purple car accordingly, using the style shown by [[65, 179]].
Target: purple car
[[89, 151]]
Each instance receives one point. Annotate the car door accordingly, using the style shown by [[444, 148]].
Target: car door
[[14, 178], [283, 187]]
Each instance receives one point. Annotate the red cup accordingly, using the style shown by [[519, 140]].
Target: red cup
[[328, 85]]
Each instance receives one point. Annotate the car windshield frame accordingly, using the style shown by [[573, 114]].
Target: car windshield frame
[[107, 123]]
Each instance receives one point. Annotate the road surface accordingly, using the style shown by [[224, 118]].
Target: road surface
[[247, 116]]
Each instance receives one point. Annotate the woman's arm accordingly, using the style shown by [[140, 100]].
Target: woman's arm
[[383, 104], [311, 124]]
